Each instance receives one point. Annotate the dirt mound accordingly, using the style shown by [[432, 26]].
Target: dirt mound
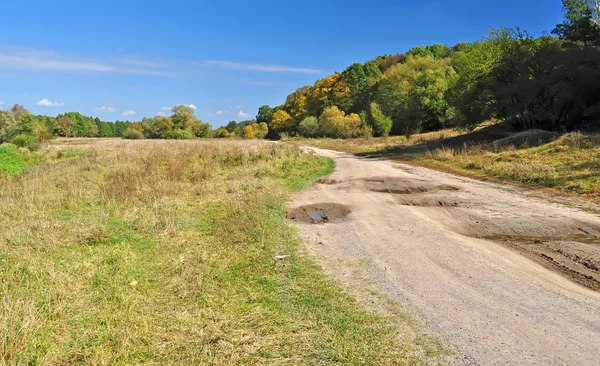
[[395, 185], [319, 213]]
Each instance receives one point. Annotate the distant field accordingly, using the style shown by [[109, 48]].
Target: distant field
[[567, 163], [161, 252]]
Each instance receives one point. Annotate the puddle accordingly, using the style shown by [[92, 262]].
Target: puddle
[[318, 217], [319, 213]]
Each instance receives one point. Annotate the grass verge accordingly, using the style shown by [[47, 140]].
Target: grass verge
[[161, 253]]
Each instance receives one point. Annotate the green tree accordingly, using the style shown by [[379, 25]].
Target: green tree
[[579, 25], [309, 127], [382, 124], [157, 127], [265, 114]]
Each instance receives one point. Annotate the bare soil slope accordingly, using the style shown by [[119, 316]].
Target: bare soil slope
[[505, 277]]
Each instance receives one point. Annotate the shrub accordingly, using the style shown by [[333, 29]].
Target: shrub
[[27, 141], [309, 127], [8, 148], [132, 134]]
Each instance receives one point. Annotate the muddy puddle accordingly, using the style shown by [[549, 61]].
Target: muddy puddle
[[319, 213]]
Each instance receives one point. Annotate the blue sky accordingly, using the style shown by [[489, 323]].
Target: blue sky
[[130, 59]]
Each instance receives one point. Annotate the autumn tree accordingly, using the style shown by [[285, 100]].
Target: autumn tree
[[282, 122]]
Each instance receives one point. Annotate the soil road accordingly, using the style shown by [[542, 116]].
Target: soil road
[[505, 277]]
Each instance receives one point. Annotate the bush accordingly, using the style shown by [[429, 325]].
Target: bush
[[180, 135], [132, 134], [309, 127], [27, 141], [8, 148]]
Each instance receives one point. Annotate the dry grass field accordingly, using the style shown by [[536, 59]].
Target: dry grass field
[[161, 252]]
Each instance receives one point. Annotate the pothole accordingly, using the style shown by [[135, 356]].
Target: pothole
[[426, 202], [327, 181], [395, 186], [319, 213], [447, 187]]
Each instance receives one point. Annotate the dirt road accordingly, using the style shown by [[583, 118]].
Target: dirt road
[[504, 277]]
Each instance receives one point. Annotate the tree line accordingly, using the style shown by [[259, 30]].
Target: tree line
[[550, 82], [19, 126]]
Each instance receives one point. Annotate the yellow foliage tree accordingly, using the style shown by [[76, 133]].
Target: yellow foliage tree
[[282, 122], [222, 132], [249, 132], [335, 123]]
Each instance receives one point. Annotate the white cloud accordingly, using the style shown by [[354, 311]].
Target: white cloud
[[259, 67], [47, 103], [218, 113], [21, 58], [105, 108], [161, 114], [192, 106], [166, 108], [243, 115], [129, 113]]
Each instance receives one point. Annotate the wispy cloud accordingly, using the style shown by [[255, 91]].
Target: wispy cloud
[[243, 114], [48, 103], [259, 67], [129, 113], [19, 58], [166, 108], [105, 108], [161, 114], [218, 113]]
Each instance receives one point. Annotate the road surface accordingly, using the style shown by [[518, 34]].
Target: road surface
[[504, 277]]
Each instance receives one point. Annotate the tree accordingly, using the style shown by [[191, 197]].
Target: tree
[[414, 94], [309, 127], [581, 22], [265, 114], [183, 117], [6, 119], [157, 127], [249, 132], [382, 124], [282, 122], [335, 123]]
